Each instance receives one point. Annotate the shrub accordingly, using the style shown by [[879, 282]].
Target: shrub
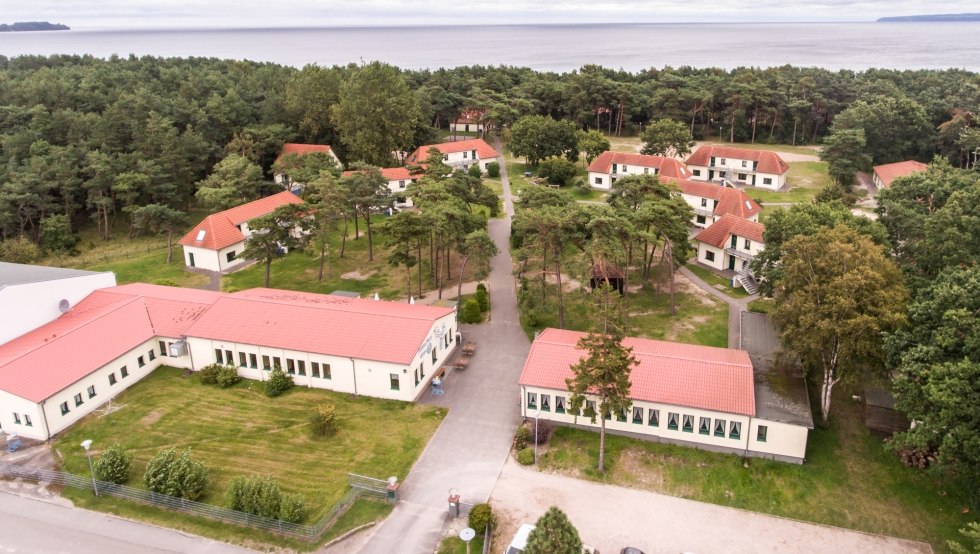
[[525, 457], [558, 171], [292, 509], [262, 496], [166, 283], [227, 376], [209, 374], [57, 236], [481, 516], [470, 312], [544, 431], [475, 171], [493, 169], [554, 534], [582, 185], [177, 476], [483, 299], [19, 250], [481, 286], [278, 383], [323, 422], [520, 441], [114, 464]]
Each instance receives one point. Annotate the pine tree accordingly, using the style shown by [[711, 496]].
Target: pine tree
[[554, 534]]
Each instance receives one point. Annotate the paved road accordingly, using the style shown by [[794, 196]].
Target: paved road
[[473, 442], [610, 517], [28, 525]]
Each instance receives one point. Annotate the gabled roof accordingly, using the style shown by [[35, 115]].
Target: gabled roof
[[300, 149], [718, 233], [483, 150], [769, 162], [889, 172], [471, 115], [393, 174], [668, 167], [219, 229], [730, 201], [19, 274], [719, 379], [332, 325]]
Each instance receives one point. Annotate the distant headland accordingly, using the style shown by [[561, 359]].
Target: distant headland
[[943, 17], [32, 26]]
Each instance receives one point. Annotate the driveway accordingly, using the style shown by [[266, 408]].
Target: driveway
[[610, 517]]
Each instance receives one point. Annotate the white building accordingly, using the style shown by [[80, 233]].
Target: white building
[[460, 153], [731, 243], [32, 295], [758, 168], [609, 166], [710, 202], [470, 121], [296, 149], [60, 372], [216, 243], [399, 178], [681, 394]]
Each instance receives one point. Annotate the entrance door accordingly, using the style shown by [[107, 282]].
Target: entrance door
[[711, 174], [731, 262], [190, 257]]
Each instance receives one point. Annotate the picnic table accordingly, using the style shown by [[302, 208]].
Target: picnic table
[[462, 363], [469, 348]]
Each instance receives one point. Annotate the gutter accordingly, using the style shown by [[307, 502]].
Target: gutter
[[44, 416], [353, 369]]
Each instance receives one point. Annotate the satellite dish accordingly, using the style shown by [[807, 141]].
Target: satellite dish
[[63, 305], [467, 534]]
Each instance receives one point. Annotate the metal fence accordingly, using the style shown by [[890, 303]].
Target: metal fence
[[360, 486]]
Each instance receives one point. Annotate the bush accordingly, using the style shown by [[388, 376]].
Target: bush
[[166, 283], [114, 465], [19, 250], [554, 534], [227, 376], [323, 422], [493, 170], [582, 185], [481, 286], [520, 441], [483, 299], [475, 171], [544, 431], [177, 476], [209, 374], [525, 457], [481, 516], [292, 509], [57, 236], [278, 383], [470, 312], [558, 171]]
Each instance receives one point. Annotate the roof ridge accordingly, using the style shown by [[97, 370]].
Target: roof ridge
[[539, 340], [322, 306]]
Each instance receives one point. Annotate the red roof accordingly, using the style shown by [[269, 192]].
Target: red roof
[[333, 325], [220, 228], [719, 379], [769, 162], [889, 172], [393, 174], [730, 201], [718, 233], [483, 150], [471, 115], [102, 327], [668, 167], [300, 149]]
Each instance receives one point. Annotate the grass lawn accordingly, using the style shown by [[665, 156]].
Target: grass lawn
[[804, 181], [849, 480], [762, 305], [715, 280], [808, 150], [455, 545], [240, 431]]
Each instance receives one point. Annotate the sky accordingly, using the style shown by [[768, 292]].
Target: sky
[[80, 14]]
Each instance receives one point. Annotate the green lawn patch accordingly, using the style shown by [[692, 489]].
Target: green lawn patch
[[240, 431], [849, 480], [807, 150], [716, 280], [455, 545], [762, 305]]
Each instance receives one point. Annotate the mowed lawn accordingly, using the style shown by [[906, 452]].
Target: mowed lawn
[[240, 431]]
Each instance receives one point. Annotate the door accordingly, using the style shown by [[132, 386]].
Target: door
[[711, 174], [190, 258], [731, 262]]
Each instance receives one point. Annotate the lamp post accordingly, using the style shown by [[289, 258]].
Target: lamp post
[[86, 444], [536, 415]]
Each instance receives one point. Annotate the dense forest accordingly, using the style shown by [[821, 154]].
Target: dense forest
[[87, 138]]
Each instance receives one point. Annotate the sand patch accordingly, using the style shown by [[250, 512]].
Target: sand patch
[[152, 417], [358, 276]]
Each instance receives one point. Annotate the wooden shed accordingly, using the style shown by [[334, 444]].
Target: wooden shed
[[603, 272], [880, 414]]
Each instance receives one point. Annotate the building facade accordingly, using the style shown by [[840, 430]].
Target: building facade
[[609, 166], [296, 149], [883, 175], [757, 168], [710, 202], [460, 153]]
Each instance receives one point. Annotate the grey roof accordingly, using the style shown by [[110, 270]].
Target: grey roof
[[346, 293], [780, 389], [19, 274], [879, 397]]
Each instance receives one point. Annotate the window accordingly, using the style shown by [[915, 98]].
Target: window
[[422, 368], [152, 354], [242, 360], [78, 400], [301, 367], [637, 415], [276, 362], [614, 168], [532, 400], [395, 385], [466, 155], [700, 219], [315, 370], [624, 169], [748, 244], [704, 426], [696, 172], [704, 202], [416, 374], [445, 157], [112, 379], [290, 366], [229, 358], [559, 404], [253, 361], [720, 428], [139, 362], [741, 176], [761, 433], [91, 391], [64, 408], [735, 431], [767, 180], [16, 418], [688, 424], [621, 416], [722, 161], [326, 371], [598, 180], [124, 372], [401, 184], [230, 257], [27, 421], [654, 420], [745, 163], [218, 357], [546, 402], [672, 421], [163, 348], [708, 255], [590, 408], [266, 363], [646, 170]]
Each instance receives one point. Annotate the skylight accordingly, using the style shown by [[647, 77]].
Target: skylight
[[200, 235], [748, 205]]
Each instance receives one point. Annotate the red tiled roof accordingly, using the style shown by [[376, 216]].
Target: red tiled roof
[[730, 201], [889, 172], [393, 174], [719, 379], [471, 115], [718, 233], [220, 228], [483, 150], [769, 162], [333, 325], [300, 149], [669, 167]]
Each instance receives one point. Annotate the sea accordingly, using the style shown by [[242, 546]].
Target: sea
[[558, 48]]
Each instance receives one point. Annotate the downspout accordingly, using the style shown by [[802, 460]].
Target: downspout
[[44, 416], [353, 369]]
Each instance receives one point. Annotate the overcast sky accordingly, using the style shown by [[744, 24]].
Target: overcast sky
[[307, 13]]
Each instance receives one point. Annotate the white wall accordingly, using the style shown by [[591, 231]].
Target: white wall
[[782, 439], [698, 172], [399, 187], [466, 127], [10, 404], [606, 181], [720, 258], [695, 203], [37, 303], [777, 181]]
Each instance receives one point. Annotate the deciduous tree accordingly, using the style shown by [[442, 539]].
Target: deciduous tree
[[275, 234], [666, 137]]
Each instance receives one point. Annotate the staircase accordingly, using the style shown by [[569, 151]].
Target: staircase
[[748, 282]]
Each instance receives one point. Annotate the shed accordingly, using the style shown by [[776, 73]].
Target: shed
[[603, 272], [880, 414]]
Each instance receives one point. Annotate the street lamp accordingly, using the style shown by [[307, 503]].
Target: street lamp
[[536, 415], [86, 444]]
